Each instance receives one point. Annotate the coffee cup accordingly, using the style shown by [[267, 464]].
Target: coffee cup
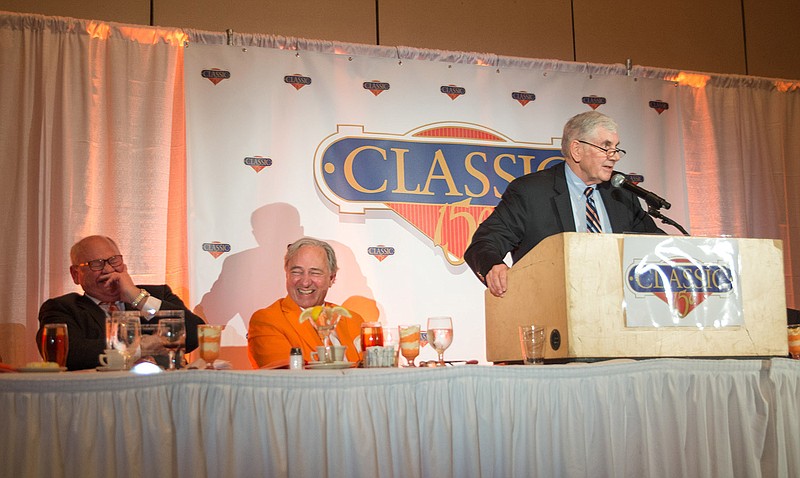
[[337, 353], [112, 359]]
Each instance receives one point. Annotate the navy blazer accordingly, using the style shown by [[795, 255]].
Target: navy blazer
[[86, 323], [536, 206]]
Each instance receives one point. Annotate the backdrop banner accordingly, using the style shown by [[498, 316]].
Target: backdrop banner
[[394, 162]]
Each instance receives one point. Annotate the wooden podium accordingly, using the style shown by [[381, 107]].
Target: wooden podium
[[572, 283]]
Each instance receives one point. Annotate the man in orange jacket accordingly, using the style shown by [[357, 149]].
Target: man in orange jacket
[[310, 266]]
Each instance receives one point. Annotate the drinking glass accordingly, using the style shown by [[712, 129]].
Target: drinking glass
[[409, 343], [440, 335], [127, 333], [55, 344], [209, 338], [172, 333], [371, 335]]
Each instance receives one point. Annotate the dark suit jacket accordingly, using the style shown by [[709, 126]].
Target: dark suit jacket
[[536, 206], [86, 323]]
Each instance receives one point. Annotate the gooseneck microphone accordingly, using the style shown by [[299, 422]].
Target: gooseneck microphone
[[618, 180]]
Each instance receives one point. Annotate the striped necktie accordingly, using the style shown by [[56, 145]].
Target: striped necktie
[[592, 219]]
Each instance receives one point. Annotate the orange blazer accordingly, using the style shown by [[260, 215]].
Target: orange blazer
[[275, 330]]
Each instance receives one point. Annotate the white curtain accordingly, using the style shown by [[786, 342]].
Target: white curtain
[[92, 141]]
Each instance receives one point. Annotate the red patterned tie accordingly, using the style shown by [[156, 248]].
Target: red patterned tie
[[111, 307]]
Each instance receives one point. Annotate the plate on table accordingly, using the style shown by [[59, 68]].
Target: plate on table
[[329, 366], [101, 368], [41, 369]]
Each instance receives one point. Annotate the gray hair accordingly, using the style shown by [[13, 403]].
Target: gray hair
[[582, 125], [294, 247], [79, 247]]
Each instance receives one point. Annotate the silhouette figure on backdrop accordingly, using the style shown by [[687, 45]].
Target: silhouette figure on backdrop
[[248, 282]]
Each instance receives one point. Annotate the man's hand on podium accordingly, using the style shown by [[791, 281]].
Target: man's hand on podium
[[496, 279]]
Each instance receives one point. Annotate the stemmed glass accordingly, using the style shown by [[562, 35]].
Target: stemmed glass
[[209, 338], [409, 343], [172, 333], [126, 334], [440, 335], [325, 324]]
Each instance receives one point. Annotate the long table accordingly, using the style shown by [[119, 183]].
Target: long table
[[663, 417]]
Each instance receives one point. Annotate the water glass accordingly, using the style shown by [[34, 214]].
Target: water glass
[[532, 340], [172, 333], [440, 335]]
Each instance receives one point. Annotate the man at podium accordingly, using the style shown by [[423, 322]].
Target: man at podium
[[573, 196]]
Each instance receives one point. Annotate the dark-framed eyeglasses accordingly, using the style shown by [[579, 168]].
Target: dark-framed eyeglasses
[[100, 264], [609, 151]]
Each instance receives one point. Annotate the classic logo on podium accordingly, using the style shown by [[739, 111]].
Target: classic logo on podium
[[443, 178], [681, 282]]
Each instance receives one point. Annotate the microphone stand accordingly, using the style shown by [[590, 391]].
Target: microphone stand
[[656, 213]]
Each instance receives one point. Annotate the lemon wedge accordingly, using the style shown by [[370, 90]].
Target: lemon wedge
[[310, 313], [341, 311]]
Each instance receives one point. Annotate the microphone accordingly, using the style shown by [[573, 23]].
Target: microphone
[[620, 181]]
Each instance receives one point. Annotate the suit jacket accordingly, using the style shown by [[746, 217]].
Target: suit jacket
[[86, 323], [275, 330], [536, 206]]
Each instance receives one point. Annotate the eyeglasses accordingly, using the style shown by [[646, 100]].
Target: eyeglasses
[[609, 151], [100, 264]]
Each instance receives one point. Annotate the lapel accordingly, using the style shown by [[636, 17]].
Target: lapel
[[306, 332], [93, 313], [612, 206], [561, 200]]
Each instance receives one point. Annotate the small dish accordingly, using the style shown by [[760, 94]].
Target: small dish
[[41, 369], [329, 366], [101, 368]]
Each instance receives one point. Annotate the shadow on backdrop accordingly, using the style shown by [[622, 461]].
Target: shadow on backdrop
[[254, 278]]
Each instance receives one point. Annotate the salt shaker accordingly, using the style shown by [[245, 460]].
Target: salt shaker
[[296, 359]]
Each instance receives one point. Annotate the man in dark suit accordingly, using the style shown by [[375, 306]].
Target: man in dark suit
[[98, 267], [554, 200]]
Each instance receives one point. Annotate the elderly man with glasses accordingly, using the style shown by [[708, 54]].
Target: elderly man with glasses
[[573, 196], [99, 268]]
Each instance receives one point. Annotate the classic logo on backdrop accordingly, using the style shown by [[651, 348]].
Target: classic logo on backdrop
[[376, 87], [453, 91], [442, 178], [215, 75], [257, 162], [685, 275], [216, 248], [380, 252], [523, 97], [297, 80], [659, 106], [593, 101]]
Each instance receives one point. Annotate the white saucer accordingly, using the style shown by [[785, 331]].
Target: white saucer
[[101, 368], [329, 366], [41, 369]]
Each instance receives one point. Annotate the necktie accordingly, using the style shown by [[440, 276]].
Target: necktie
[[111, 307], [592, 219]]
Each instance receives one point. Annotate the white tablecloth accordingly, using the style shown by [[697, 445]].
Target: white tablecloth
[[660, 417]]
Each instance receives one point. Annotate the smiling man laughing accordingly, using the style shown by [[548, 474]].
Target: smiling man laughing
[[310, 267]]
